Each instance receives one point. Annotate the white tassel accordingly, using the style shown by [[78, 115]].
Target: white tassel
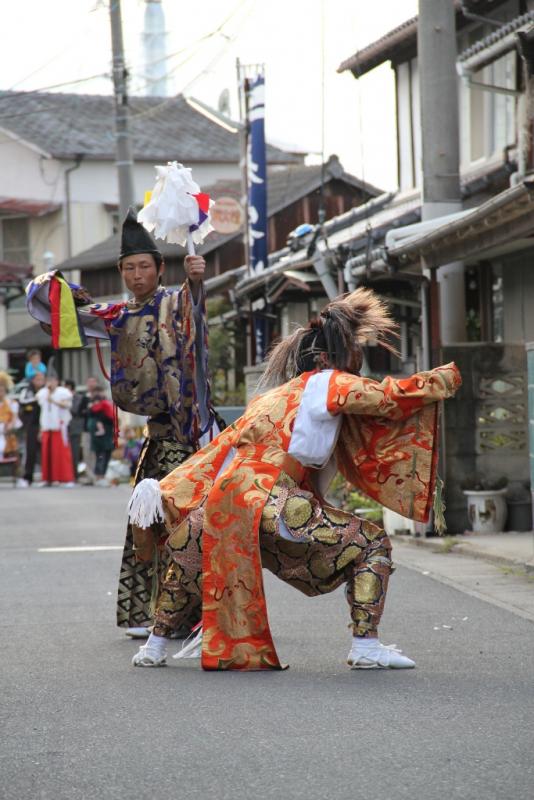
[[146, 506], [192, 649]]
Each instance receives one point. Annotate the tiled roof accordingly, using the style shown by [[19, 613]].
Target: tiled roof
[[163, 129], [284, 187], [382, 50], [32, 336], [30, 208], [404, 38], [496, 36], [14, 273]]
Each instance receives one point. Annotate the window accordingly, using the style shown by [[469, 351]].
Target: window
[[408, 125], [15, 240], [487, 116], [115, 222]]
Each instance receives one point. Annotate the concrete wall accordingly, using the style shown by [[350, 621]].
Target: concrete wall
[[484, 429]]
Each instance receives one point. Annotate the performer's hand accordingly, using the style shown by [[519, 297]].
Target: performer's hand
[[194, 266], [143, 543]]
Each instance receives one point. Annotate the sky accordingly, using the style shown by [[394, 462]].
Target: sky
[[301, 43]]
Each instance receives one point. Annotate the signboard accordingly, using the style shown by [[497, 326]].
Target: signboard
[[226, 216]]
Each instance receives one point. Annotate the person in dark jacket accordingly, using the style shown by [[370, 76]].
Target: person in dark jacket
[[29, 414], [78, 410], [100, 426]]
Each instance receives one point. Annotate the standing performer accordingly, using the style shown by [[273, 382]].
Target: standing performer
[[158, 370], [254, 496]]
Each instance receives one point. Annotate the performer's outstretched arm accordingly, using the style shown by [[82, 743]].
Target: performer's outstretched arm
[[394, 398]]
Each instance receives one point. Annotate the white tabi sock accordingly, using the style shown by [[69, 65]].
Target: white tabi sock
[[157, 643], [364, 643]]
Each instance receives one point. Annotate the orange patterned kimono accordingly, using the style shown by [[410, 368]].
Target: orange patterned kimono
[[387, 448]]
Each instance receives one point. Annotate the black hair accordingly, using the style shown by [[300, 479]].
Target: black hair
[[323, 345]]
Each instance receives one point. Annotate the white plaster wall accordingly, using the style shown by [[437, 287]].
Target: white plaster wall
[[47, 234], [90, 224], [26, 174], [17, 319], [96, 181], [404, 124]]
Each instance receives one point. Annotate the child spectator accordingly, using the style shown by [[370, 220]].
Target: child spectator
[[33, 364], [132, 449], [100, 426], [77, 423]]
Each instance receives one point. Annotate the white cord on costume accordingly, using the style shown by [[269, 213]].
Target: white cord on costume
[[192, 649], [146, 506]]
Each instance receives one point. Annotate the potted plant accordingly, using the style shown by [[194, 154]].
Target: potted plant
[[486, 504]]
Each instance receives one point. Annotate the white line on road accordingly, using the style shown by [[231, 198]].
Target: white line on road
[[81, 548]]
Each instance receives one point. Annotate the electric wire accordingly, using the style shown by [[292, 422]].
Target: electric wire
[[139, 88], [230, 38], [73, 41], [6, 94]]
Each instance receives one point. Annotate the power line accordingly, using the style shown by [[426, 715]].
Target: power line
[[73, 37], [203, 38], [156, 109], [23, 92], [206, 70]]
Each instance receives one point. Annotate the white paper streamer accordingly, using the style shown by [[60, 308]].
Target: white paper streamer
[[146, 506], [172, 209], [192, 649]]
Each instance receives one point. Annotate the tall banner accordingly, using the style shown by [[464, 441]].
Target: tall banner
[[257, 188]]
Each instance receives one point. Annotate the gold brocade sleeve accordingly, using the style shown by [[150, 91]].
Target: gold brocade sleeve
[[394, 398], [186, 487], [388, 446]]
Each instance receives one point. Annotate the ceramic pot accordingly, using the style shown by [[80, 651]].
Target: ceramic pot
[[487, 510]]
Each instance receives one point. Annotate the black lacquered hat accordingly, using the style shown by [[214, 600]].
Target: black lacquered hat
[[136, 239]]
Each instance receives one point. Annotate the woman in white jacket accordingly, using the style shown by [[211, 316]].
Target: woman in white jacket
[[56, 457]]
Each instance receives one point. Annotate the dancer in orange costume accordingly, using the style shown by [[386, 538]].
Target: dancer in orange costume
[[254, 496]]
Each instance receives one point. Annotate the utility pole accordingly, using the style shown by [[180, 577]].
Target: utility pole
[[124, 161], [242, 88], [437, 52]]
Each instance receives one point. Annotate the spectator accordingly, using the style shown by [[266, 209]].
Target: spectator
[[132, 449], [29, 413], [9, 419], [100, 425], [88, 455], [56, 457], [33, 364], [77, 423]]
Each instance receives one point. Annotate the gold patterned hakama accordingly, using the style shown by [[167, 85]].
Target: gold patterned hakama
[[332, 548]]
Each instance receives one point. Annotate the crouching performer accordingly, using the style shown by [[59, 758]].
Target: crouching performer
[[254, 496]]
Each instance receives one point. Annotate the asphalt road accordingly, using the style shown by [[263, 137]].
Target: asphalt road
[[79, 723]]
